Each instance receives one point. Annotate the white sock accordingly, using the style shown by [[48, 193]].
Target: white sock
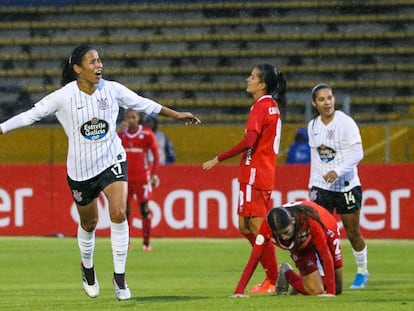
[[86, 242], [119, 242], [361, 260]]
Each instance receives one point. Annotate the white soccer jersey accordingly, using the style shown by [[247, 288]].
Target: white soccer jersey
[[330, 147], [89, 121]]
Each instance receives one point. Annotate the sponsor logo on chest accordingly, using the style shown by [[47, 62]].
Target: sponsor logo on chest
[[95, 129]]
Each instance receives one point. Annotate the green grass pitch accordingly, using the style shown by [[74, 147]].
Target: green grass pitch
[[186, 274]]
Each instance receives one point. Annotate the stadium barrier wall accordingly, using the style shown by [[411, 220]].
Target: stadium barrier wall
[[190, 202], [387, 142]]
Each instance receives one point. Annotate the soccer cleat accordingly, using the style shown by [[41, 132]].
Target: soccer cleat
[[122, 293], [263, 288], [147, 248], [90, 282], [360, 280], [282, 285]]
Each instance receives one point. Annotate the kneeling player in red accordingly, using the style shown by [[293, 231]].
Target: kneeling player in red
[[311, 235]]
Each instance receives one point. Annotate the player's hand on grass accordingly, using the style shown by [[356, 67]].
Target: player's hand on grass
[[239, 296], [326, 295]]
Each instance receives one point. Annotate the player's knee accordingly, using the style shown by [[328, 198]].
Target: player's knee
[[118, 215], [89, 224], [145, 211]]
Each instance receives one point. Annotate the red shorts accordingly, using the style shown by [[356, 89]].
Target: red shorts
[[306, 259], [142, 192], [253, 202]]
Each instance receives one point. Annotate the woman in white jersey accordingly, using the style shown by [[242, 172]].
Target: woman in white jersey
[[336, 149], [87, 106]]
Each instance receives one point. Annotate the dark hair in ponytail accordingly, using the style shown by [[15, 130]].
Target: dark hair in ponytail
[[275, 84], [279, 218], [68, 74]]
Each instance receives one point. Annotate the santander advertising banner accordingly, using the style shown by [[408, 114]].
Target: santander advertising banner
[[191, 202]]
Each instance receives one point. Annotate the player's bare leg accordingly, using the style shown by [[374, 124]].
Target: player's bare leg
[[313, 283]]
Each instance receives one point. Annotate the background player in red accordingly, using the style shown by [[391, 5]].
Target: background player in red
[[138, 141], [259, 148], [311, 235]]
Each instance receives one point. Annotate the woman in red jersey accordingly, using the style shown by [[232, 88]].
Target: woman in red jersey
[[259, 148], [139, 141], [311, 235]]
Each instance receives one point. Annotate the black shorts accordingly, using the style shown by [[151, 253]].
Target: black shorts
[[343, 202], [84, 192]]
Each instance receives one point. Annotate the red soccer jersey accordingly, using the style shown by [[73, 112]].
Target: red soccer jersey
[[320, 239], [257, 165], [137, 146], [323, 240]]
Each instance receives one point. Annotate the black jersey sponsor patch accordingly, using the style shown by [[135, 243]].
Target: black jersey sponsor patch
[[95, 129], [327, 154]]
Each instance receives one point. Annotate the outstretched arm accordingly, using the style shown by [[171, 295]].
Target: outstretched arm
[[248, 141], [321, 245], [187, 116]]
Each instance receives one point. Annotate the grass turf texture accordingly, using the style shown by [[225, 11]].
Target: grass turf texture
[[186, 274]]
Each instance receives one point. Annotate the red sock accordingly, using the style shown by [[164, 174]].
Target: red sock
[[250, 237], [146, 230], [295, 280], [268, 260], [269, 263]]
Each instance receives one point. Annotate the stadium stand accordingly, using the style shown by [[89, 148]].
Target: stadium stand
[[197, 55]]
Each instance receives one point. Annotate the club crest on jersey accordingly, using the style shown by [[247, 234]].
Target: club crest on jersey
[[95, 129], [103, 103], [326, 154]]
